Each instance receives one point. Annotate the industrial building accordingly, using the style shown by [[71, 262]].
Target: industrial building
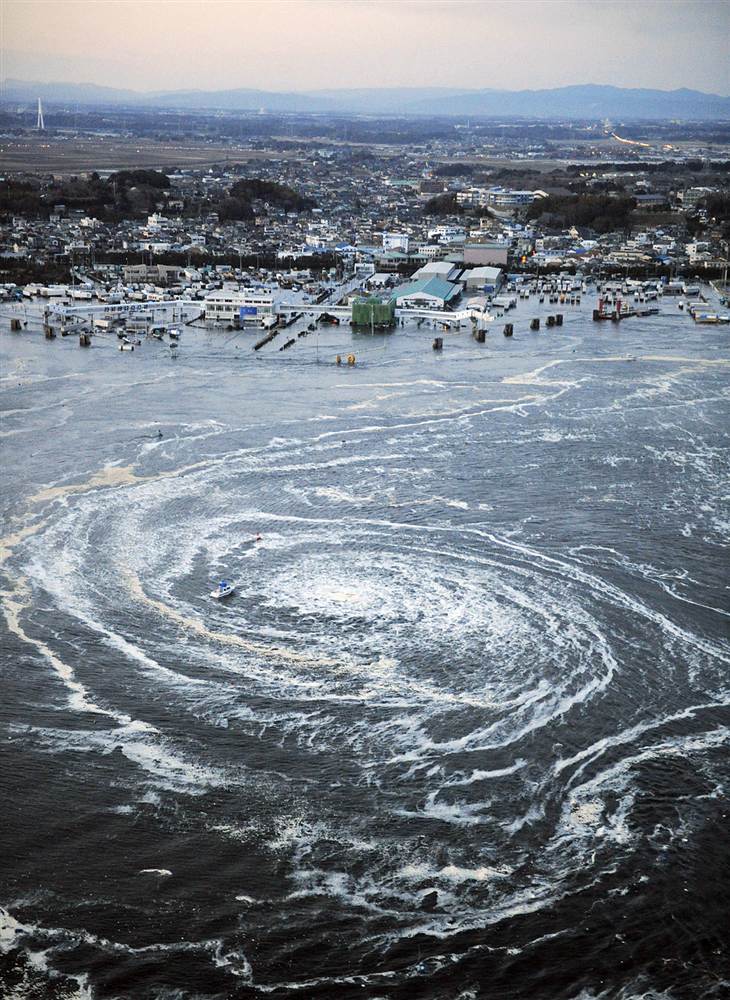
[[476, 254], [444, 269], [483, 279], [426, 293], [155, 274], [381, 279], [240, 306]]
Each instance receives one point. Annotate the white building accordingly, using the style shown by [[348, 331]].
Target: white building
[[396, 241], [472, 197], [691, 197], [447, 234], [483, 279], [245, 305], [444, 269], [430, 251], [506, 198], [379, 280], [497, 197]]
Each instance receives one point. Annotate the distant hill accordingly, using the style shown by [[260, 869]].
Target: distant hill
[[585, 101], [22, 91], [238, 100]]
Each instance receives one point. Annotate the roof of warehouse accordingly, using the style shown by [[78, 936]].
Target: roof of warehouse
[[484, 272], [437, 287]]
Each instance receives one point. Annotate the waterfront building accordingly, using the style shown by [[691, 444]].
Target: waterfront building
[[483, 279], [246, 305], [426, 293]]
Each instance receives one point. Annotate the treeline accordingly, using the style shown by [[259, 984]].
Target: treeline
[[600, 213], [139, 178], [457, 169], [238, 205], [717, 206], [200, 257], [280, 195], [23, 271], [133, 194], [663, 167], [128, 194]]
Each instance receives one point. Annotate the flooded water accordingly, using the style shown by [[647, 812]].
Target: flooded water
[[462, 731]]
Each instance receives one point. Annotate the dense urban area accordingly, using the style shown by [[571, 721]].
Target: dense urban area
[[240, 211]]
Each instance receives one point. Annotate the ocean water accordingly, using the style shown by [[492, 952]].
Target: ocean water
[[463, 729]]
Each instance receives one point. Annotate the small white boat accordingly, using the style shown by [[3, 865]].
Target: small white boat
[[225, 589]]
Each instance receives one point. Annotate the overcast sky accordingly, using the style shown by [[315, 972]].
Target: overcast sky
[[308, 44]]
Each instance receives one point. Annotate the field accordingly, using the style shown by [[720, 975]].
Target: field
[[69, 155]]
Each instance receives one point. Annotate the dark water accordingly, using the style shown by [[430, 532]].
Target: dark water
[[481, 652]]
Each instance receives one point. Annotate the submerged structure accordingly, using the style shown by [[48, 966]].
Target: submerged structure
[[374, 311]]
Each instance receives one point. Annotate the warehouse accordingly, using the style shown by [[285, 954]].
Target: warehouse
[[426, 293], [444, 269], [483, 279]]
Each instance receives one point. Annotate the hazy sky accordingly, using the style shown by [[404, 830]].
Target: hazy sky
[[307, 44]]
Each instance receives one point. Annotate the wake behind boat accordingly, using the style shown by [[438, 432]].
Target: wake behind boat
[[224, 589]]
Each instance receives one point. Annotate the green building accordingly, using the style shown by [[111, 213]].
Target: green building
[[375, 311]]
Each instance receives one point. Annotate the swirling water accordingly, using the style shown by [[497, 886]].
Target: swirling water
[[463, 729]]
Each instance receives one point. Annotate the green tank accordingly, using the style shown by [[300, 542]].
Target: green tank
[[374, 311]]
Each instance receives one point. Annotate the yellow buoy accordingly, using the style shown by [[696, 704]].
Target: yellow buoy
[[338, 359], [351, 359]]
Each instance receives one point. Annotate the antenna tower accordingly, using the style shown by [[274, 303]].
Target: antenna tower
[[40, 125]]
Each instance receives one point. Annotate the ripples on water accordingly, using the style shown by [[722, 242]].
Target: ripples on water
[[462, 731]]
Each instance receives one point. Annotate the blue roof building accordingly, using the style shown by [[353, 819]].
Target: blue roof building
[[426, 293]]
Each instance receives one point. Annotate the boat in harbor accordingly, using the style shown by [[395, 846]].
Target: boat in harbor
[[224, 589]]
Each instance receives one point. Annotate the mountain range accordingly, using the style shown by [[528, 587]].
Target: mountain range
[[589, 101]]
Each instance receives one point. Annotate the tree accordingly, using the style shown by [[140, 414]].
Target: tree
[[443, 204]]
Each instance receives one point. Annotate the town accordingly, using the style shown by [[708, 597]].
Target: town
[[442, 217]]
